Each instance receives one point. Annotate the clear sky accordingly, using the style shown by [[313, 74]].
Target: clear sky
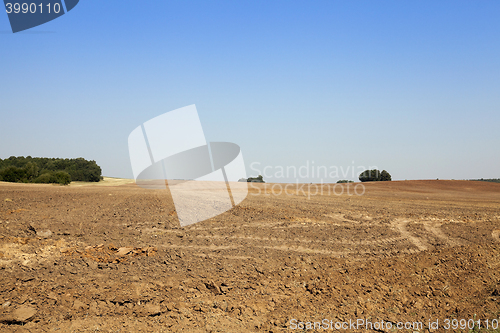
[[412, 87]]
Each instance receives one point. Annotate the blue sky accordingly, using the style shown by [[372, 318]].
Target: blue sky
[[408, 86]]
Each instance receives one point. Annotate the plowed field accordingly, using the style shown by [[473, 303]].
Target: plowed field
[[93, 258]]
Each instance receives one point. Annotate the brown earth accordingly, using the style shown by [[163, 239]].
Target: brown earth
[[113, 258]]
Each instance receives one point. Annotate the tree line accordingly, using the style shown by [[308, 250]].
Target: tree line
[[491, 180], [48, 170]]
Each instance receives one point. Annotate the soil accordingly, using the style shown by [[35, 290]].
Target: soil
[[93, 258]]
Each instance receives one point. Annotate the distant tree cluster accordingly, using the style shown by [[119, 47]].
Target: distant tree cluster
[[48, 170], [374, 176], [342, 181], [258, 179], [492, 180]]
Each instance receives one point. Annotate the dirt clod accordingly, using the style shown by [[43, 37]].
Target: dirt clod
[[20, 315]]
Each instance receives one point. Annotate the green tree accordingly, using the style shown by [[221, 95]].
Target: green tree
[[385, 176], [374, 175], [12, 174], [258, 179], [45, 178], [62, 177], [370, 175], [31, 171]]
